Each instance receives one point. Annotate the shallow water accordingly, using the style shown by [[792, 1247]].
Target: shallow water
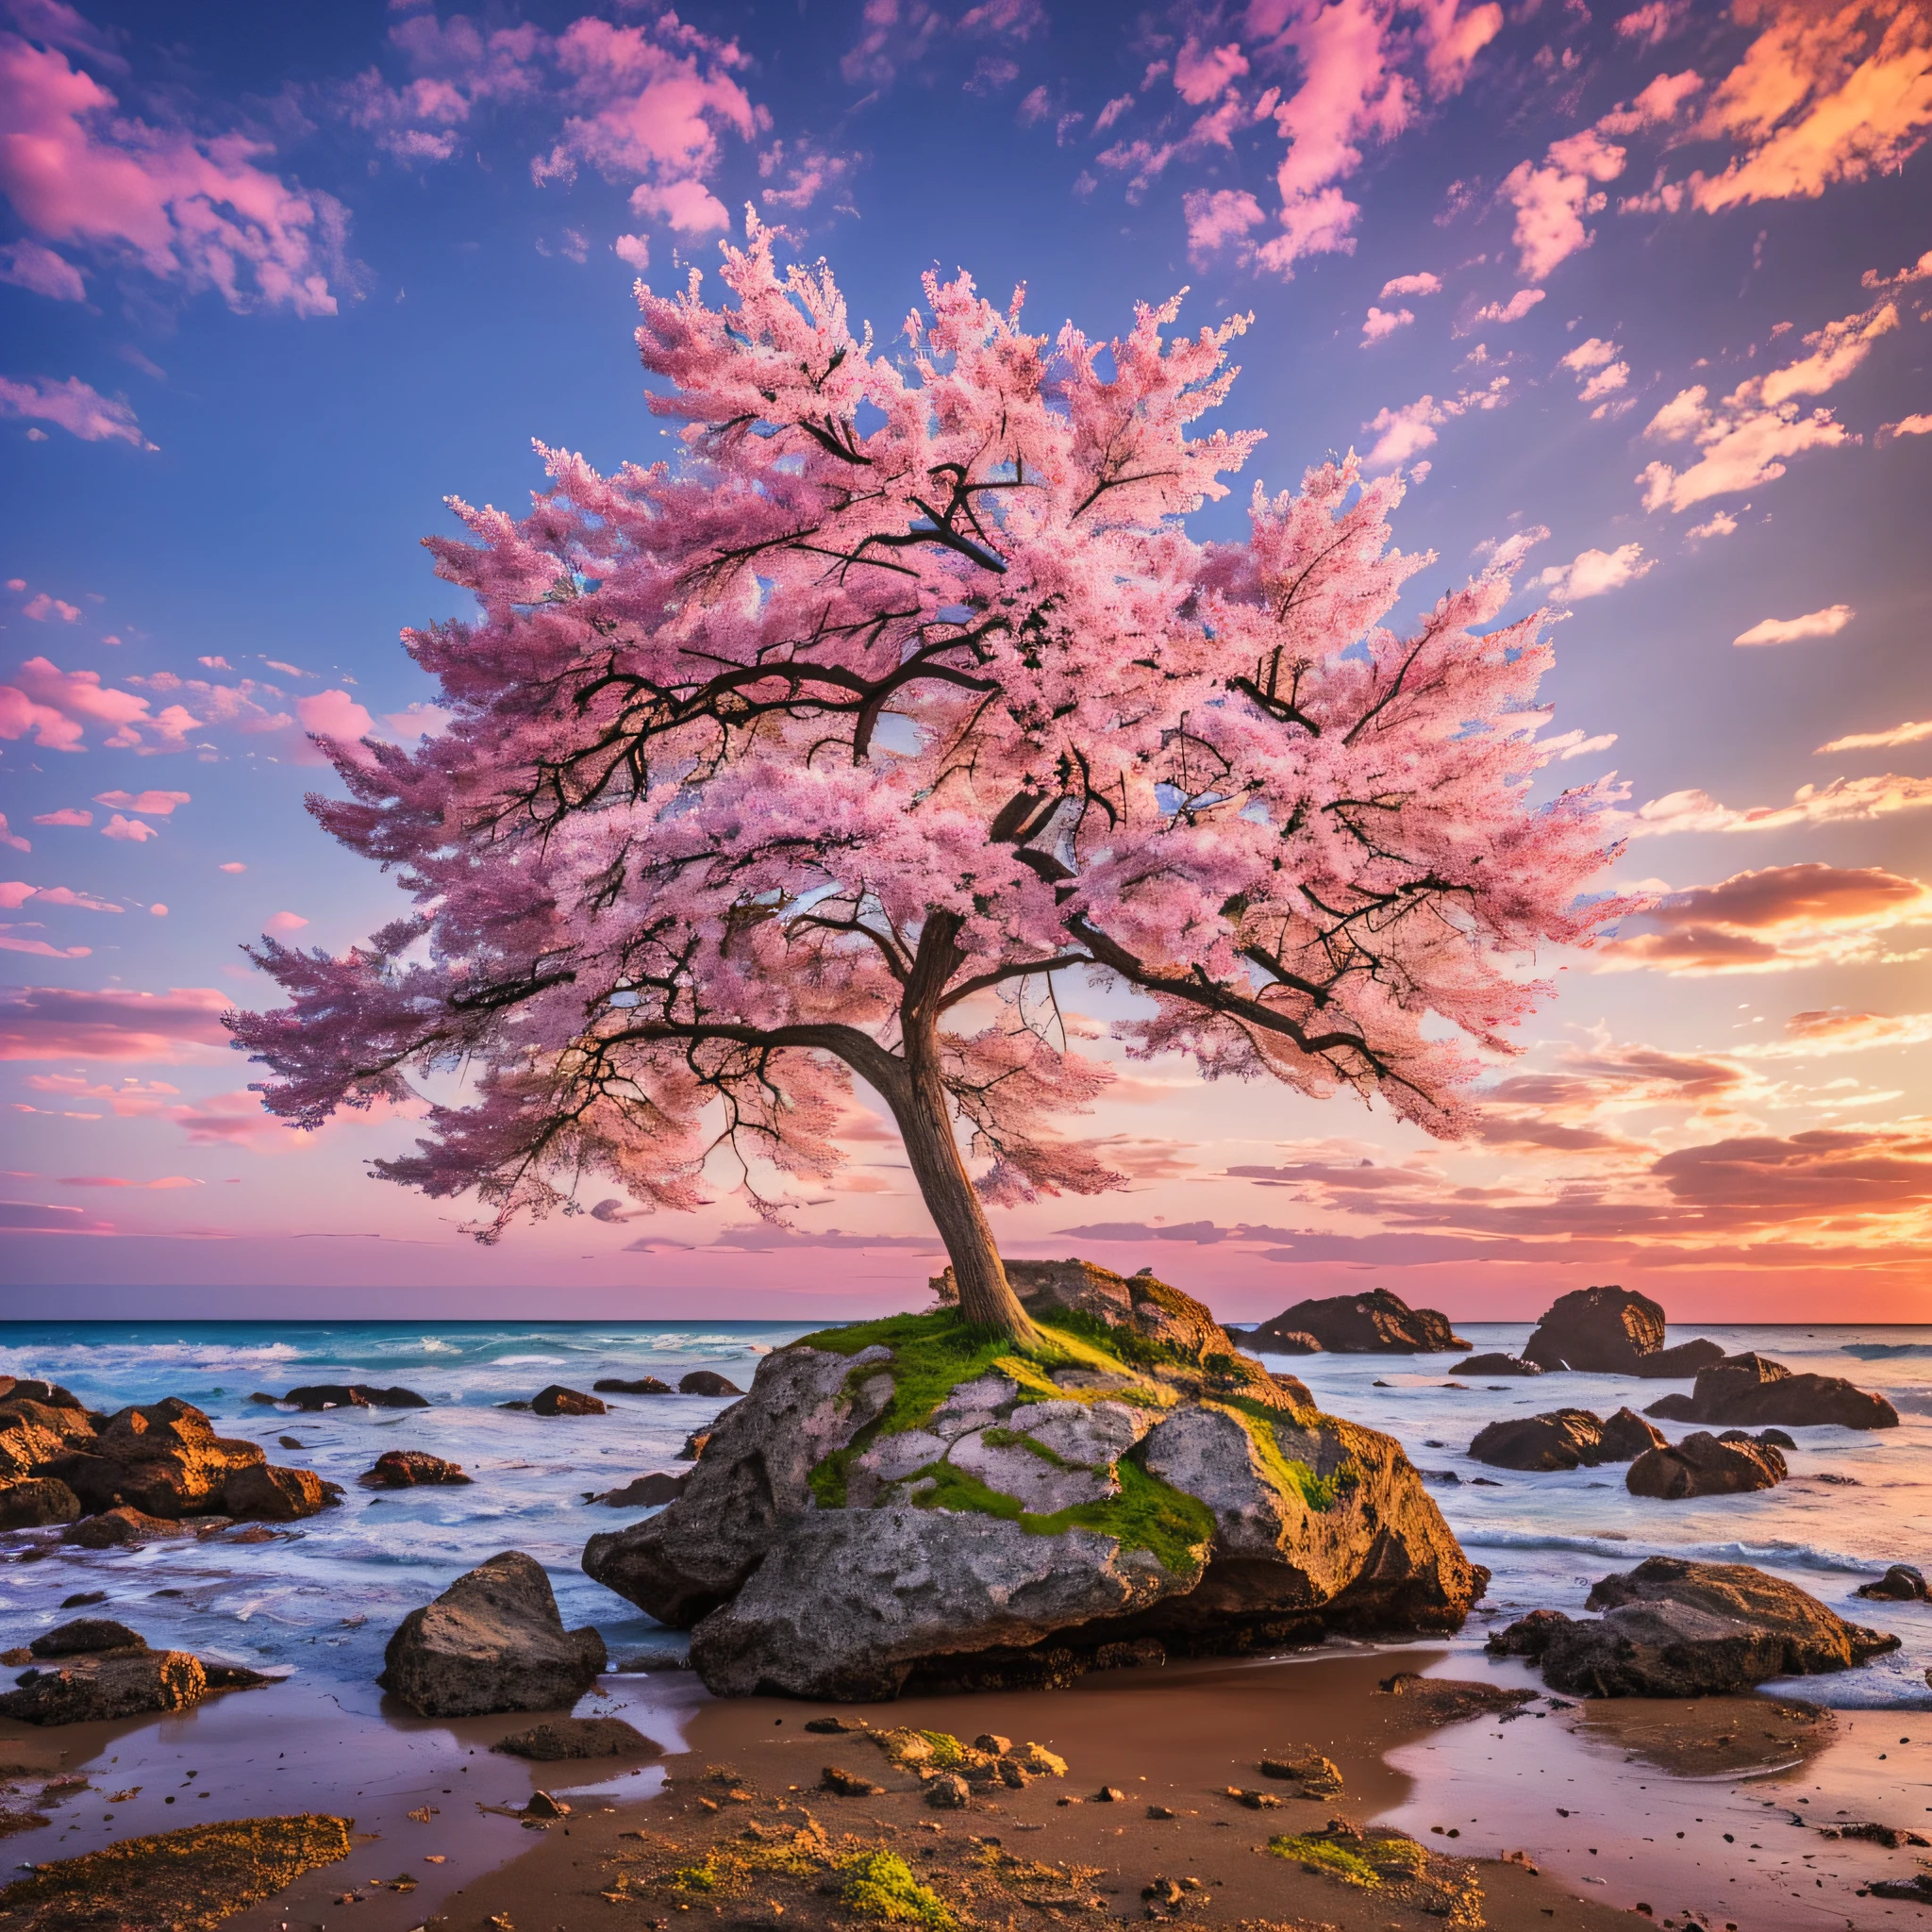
[[324, 1598], [1547, 1538]]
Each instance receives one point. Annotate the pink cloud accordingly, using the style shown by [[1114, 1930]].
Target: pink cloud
[[1405, 432], [653, 102], [1518, 305], [16, 892], [1844, 801], [1412, 285], [233, 865], [1218, 216], [1594, 571], [41, 948], [29, 265], [285, 922], [634, 249], [1908, 733], [112, 1180], [131, 831], [1202, 73], [11, 837], [188, 208], [155, 804], [688, 206], [1551, 201], [46, 1022], [416, 722], [158, 911], [43, 607], [215, 663], [77, 1087], [1379, 322], [1821, 96], [74, 406], [334, 714], [1655, 21], [1790, 630], [807, 171]]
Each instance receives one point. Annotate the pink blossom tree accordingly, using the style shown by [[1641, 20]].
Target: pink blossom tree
[[835, 746]]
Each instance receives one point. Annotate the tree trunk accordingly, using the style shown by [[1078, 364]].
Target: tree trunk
[[924, 1120]]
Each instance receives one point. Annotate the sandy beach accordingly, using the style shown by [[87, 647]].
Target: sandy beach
[[1688, 1809]]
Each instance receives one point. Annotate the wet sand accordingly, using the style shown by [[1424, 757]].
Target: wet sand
[[1594, 1795]]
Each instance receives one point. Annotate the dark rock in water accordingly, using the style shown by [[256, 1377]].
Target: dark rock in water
[[558, 1400], [1679, 1364], [353, 1395], [162, 1458], [1378, 1323], [492, 1641], [115, 1528], [707, 1382], [1496, 1365], [1563, 1438], [695, 1445], [84, 1633], [105, 1685], [404, 1469], [1613, 1331], [644, 1385], [1917, 1890], [270, 1493], [817, 1556], [36, 1501], [83, 1597], [1748, 1391], [644, 1491], [1284, 1340], [559, 1737], [1626, 1434], [1676, 1629], [1901, 1584], [289, 1442], [1704, 1465]]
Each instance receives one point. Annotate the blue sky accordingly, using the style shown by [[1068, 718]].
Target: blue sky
[[1638, 289]]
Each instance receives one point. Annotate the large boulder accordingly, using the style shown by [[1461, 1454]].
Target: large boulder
[[161, 1458], [106, 1684], [1496, 1364], [268, 1492], [641, 1385], [1749, 1391], [318, 1395], [558, 1400], [707, 1382], [1563, 1438], [1612, 1331], [1704, 1465], [405, 1469], [36, 1502], [906, 1500], [492, 1641], [1676, 1629], [1378, 1323]]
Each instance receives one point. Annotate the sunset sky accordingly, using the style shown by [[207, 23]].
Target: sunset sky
[[1640, 291]]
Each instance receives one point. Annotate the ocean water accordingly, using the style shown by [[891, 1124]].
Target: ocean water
[[322, 1599]]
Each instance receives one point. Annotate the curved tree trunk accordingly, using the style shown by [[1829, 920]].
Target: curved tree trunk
[[918, 1101]]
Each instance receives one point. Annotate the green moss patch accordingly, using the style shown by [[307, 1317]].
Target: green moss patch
[[1175, 1529], [881, 1884], [1288, 1475], [1324, 1855], [192, 1880]]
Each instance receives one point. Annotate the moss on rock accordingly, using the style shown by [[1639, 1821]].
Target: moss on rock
[[881, 1884], [189, 1879]]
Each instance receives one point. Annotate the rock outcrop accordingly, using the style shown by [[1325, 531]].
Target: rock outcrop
[[562, 1737], [1378, 1323], [1748, 1391], [156, 1461], [905, 1500], [1677, 1629], [492, 1641], [36, 1502], [1564, 1438], [94, 1669], [406, 1469], [707, 1382], [643, 1493], [558, 1400], [1704, 1465], [1901, 1584], [318, 1395], [1613, 1331], [1497, 1364]]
